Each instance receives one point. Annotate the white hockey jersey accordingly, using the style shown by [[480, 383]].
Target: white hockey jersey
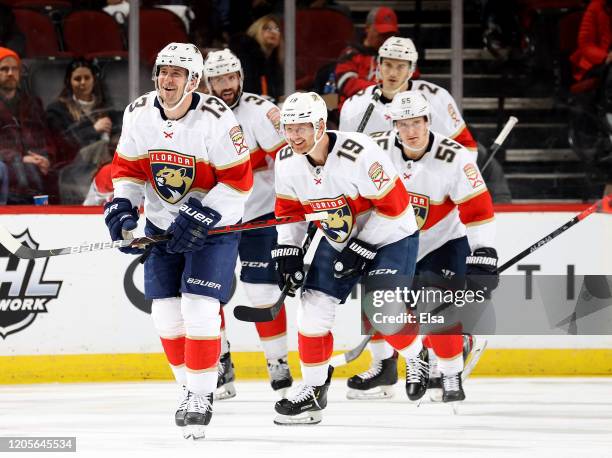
[[358, 185], [447, 192], [203, 155], [260, 122], [445, 116]]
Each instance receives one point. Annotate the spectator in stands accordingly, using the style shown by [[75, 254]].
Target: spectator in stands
[[593, 55], [26, 145], [261, 54], [80, 116], [356, 69]]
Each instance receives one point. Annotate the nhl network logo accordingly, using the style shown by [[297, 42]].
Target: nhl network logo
[[23, 291]]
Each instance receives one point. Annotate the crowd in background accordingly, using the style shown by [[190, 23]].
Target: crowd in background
[[58, 150]]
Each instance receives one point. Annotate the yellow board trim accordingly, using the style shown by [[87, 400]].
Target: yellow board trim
[[251, 365]]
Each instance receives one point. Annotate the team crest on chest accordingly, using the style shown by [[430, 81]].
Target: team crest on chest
[[420, 204], [173, 174], [338, 226]]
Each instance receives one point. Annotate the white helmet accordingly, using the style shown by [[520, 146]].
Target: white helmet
[[409, 104], [304, 107], [184, 55], [222, 62], [399, 48], [307, 107]]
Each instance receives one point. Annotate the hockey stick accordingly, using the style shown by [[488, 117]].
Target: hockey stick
[[499, 140], [24, 252], [258, 315], [368, 113]]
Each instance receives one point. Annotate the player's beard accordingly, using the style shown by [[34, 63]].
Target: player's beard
[[229, 96]]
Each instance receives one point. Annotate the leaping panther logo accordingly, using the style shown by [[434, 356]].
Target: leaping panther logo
[[339, 224], [173, 174]]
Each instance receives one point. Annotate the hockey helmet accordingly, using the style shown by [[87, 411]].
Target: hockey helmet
[[219, 63], [409, 104], [399, 48], [184, 55]]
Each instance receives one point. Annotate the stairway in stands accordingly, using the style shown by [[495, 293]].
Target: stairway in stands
[[538, 161]]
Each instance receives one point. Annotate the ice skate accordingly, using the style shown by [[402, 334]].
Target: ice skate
[[225, 382], [305, 405], [417, 375], [452, 389], [375, 383], [280, 375], [199, 413], [179, 416]]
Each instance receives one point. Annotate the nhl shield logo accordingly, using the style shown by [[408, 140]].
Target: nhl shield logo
[[420, 204], [24, 292], [339, 225], [173, 174]]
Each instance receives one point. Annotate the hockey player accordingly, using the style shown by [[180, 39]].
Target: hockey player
[[185, 153], [455, 217], [372, 229], [259, 120], [397, 60]]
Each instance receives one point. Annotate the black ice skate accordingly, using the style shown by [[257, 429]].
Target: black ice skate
[[375, 383], [280, 376], [199, 413], [181, 411], [225, 382], [452, 390], [304, 406], [417, 375]]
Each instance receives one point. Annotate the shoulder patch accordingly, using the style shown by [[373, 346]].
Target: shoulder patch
[[473, 175], [273, 116], [238, 139], [377, 174]]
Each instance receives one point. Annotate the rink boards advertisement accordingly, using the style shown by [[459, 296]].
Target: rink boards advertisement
[[88, 310]]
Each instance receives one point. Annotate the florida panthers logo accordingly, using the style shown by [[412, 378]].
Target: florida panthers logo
[[420, 204], [339, 225], [173, 174]]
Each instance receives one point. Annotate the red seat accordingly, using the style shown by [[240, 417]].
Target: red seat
[[39, 33], [92, 33], [321, 35], [158, 27]]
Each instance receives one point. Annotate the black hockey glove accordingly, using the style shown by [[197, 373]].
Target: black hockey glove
[[481, 272], [121, 218], [191, 226], [353, 259], [289, 265]]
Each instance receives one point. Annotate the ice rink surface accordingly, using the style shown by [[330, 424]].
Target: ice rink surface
[[501, 417]]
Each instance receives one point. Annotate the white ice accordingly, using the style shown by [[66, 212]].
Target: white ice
[[501, 417]]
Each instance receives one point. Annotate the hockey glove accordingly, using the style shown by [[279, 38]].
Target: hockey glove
[[481, 270], [121, 218], [191, 226], [353, 259], [289, 265]]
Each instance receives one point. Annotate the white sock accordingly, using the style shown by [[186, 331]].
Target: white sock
[[381, 350], [451, 366]]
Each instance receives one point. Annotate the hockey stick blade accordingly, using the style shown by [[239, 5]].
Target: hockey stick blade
[[351, 355], [25, 252], [258, 315]]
